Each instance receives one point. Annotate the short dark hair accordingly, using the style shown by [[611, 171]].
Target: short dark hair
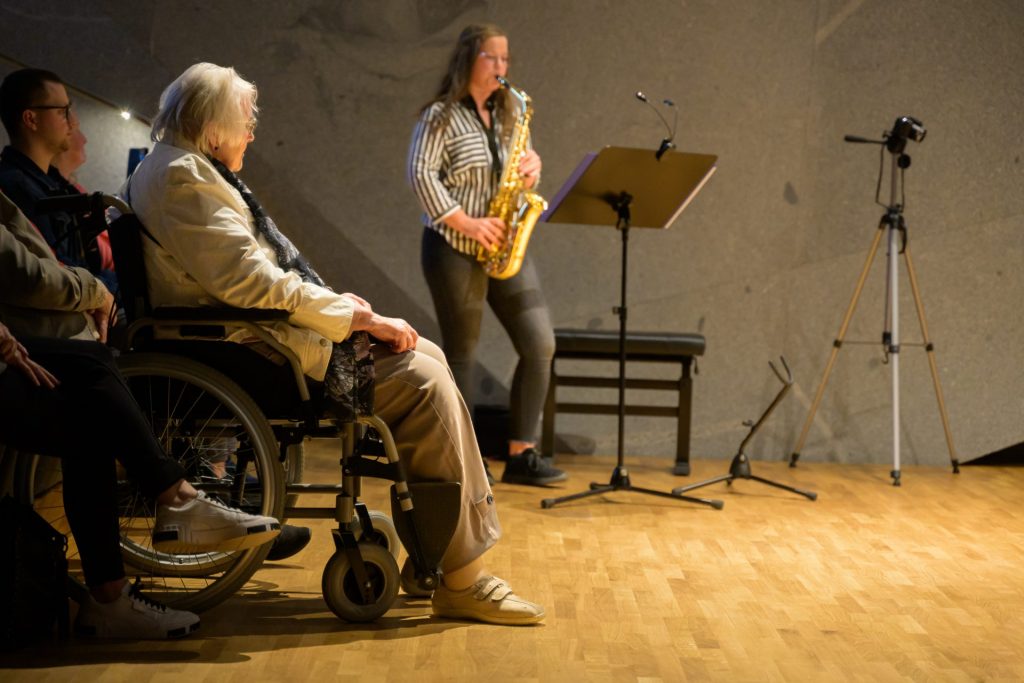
[[20, 90]]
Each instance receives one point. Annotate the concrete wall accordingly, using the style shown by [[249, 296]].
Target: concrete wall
[[763, 262]]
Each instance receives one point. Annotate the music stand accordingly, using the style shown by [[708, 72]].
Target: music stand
[[627, 187]]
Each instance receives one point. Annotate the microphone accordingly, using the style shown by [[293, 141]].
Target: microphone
[[666, 143]]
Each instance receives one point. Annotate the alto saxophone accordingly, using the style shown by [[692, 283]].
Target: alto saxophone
[[513, 203]]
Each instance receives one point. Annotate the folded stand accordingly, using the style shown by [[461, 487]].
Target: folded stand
[[739, 468], [624, 188]]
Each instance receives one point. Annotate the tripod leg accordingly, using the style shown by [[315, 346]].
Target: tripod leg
[[551, 502], [930, 349], [837, 344], [683, 489], [808, 494], [893, 343]]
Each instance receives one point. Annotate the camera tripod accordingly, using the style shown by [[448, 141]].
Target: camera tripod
[[892, 225]]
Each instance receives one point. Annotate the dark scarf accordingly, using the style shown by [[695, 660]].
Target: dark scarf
[[349, 380], [288, 256]]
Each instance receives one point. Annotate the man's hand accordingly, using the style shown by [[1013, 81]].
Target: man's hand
[[16, 356], [102, 315]]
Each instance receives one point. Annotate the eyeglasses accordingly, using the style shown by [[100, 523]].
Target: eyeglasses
[[65, 108], [496, 59]]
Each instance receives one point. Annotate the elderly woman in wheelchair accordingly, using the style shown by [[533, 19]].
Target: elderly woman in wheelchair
[[215, 266]]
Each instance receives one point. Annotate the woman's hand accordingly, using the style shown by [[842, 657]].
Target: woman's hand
[[529, 168], [488, 231], [16, 356], [395, 332]]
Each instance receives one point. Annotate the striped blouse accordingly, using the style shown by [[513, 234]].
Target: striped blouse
[[452, 167]]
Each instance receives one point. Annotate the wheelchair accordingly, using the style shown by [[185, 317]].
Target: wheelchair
[[247, 450]]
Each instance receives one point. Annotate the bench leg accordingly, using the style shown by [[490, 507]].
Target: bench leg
[[547, 437], [682, 464]]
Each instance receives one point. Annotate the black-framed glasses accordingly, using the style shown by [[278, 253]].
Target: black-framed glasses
[[66, 108]]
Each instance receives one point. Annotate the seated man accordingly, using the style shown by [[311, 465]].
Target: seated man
[[59, 376], [209, 242], [38, 116]]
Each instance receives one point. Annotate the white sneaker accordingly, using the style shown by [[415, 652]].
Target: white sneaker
[[133, 615], [205, 524]]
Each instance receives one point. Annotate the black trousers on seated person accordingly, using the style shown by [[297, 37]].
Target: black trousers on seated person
[[88, 421]]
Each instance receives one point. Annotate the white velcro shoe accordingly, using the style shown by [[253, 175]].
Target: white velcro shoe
[[205, 524], [489, 600], [134, 616]]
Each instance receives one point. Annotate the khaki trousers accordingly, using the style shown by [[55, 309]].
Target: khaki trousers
[[416, 396]]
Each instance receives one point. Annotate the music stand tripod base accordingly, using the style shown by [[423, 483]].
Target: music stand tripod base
[[625, 188]]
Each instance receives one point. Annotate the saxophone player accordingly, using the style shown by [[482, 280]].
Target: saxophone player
[[460, 147]]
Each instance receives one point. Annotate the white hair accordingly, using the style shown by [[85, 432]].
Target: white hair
[[207, 104]]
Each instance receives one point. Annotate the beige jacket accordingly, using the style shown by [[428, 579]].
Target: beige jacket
[[209, 254], [39, 296]]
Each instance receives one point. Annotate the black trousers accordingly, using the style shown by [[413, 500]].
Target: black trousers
[[88, 421], [459, 286]]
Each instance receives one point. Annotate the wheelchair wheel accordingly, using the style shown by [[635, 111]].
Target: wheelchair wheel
[[207, 423], [384, 533], [341, 588], [411, 586]]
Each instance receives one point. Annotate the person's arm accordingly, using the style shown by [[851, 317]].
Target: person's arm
[[31, 278], [197, 221], [426, 161]]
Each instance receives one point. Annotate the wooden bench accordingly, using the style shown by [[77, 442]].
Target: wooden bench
[[650, 347]]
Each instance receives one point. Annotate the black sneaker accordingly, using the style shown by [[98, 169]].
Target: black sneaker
[[531, 469], [290, 541]]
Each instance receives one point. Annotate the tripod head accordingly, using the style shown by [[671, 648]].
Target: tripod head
[[895, 140]]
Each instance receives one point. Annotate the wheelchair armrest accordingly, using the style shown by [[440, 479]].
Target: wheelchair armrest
[[203, 322]]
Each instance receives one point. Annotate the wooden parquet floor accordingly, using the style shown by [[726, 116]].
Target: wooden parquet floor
[[868, 583]]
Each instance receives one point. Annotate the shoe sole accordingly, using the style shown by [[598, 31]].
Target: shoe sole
[[87, 631], [299, 543], [473, 615], [184, 547]]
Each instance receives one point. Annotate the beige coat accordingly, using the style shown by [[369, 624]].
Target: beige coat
[[209, 254], [39, 296]]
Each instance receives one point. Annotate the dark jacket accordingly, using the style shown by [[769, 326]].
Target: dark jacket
[[24, 183]]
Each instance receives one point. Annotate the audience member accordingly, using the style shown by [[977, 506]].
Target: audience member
[[59, 391], [212, 243], [37, 113], [67, 164]]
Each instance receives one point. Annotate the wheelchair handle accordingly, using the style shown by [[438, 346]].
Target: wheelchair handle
[[82, 203]]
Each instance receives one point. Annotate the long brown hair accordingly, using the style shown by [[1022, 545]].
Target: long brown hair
[[455, 83]]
